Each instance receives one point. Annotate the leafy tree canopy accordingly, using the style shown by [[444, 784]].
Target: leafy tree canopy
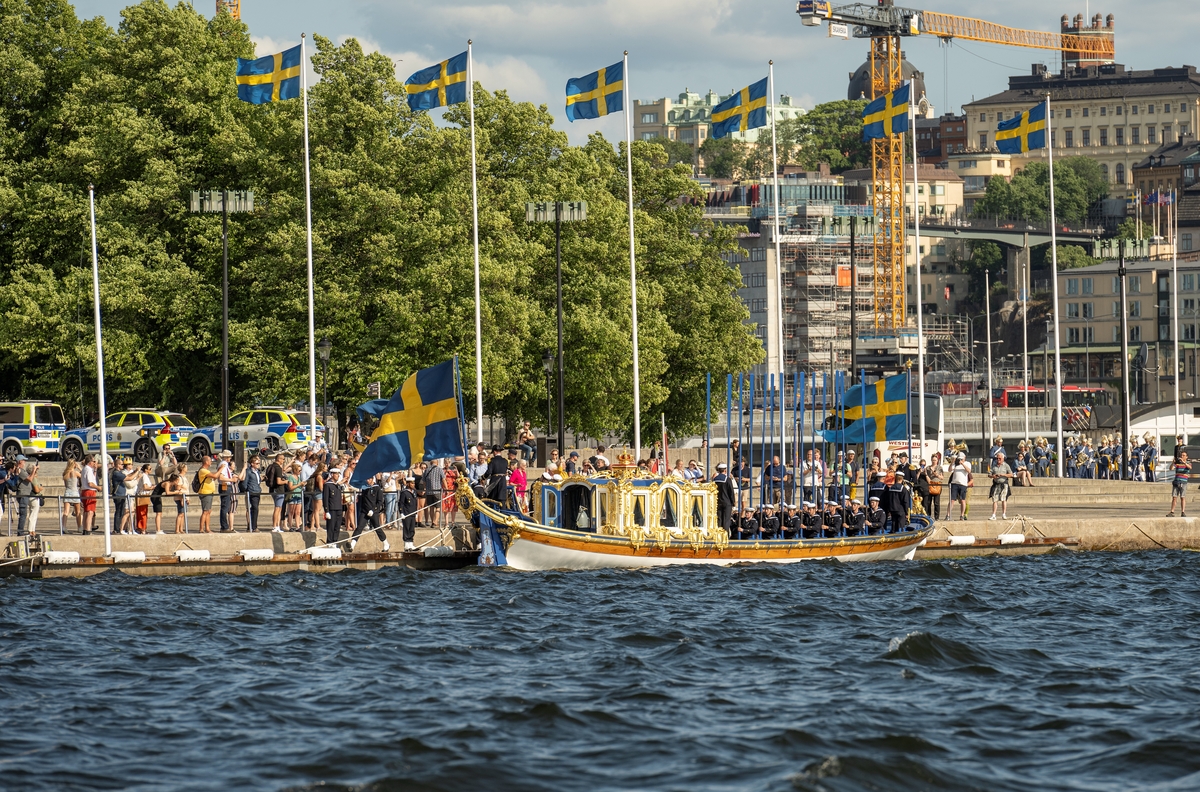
[[830, 132], [723, 157], [148, 112], [1078, 185]]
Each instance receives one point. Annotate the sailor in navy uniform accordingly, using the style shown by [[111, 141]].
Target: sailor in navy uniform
[[331, 498], [899, 503], [832, 520], [810, 521], [1149, 456], [407, 506], [1135, 460], [726, 496], [769, 527], [792, 523], [854, 519], [749, 526], [876, 517]]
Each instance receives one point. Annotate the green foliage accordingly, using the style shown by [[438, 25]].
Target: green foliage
[[677, 151], [723, 157], [830, 132], [1078, 185], [149, 112], [1069, 257], [982, 257], [1129, 230]]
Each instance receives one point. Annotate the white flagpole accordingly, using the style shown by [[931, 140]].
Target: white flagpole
[[637, 390], [912, 107], [312, 347], [1025, 337], [1175, 299], [475, 239], [100, 378], [778, 259], [1058, 382]]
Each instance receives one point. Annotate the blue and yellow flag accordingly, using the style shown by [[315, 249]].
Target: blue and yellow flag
[[596, 94], [746, 109], [1024, 132], [440, 85], [419, 423], [270, 78], [887, 115], [874, 413]]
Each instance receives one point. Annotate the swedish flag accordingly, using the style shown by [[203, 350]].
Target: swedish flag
[[440, 85], [746, 109], [271, 78], [596, 94], [1024, 132], [420, 422], [875, 412], [887, 115]]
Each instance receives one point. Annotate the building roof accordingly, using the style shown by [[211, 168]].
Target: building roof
[[927, 173], [1170, 155], [1111, 81]]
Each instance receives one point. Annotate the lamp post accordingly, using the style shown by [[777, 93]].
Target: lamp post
[[548, 367], [323, 347], [223, 201], [560, 212]]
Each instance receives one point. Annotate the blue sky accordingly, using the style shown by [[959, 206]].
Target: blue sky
[[531, 47]]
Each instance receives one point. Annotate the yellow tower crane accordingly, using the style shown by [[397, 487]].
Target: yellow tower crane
[[234, 7], [885, 23]]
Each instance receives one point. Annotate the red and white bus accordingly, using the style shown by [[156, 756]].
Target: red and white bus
[[1072, 396]]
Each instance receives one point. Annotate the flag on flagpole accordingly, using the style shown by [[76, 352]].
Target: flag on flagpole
[[440, 85], [271, 78], [887, 115], [745, 110], [596, 94], [875, 412], [1024, 132]]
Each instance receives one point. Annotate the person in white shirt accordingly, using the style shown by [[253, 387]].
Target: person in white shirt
[[960, 479]]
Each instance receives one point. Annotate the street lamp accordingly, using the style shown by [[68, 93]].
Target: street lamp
[[223, 201], [548, 367], [323, 347]]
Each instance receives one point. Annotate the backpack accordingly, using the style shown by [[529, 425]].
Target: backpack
[[196, 481]]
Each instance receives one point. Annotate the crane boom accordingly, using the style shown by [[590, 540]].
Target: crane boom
[[949, 26]]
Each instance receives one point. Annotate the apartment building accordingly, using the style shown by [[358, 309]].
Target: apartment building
[[689, 118]]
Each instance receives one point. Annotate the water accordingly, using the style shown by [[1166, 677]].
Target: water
[[1054, 672]]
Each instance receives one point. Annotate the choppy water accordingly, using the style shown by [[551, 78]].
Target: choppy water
[[1053, 672]]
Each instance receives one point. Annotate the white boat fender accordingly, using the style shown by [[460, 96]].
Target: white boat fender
[[61, 557], [438, 551], [1011, 539], [324, 553], [258, 554], [128, 557], [960, 541], [191, 556]]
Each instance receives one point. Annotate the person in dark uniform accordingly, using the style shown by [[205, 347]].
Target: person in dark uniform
[[370, 512], [497, 475], [748, 528], [876, 517], [899, 502], [792, 524], [726, 496], [407, 504], [855, 519], [831, 520], [769, 527], [810, 521], [331, 497]]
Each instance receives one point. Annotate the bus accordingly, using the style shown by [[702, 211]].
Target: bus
[[1072, 396]]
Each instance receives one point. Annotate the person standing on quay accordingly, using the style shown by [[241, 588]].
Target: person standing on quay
[[1182, 470], [252, 476], [225, 481], [331, 499], [89, 485], [408, 512], [1002, 476]]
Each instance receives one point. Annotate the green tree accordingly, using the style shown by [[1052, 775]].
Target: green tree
[[1078, 185], [1129, 230], [677, 151], [830, 132], [722, 157]]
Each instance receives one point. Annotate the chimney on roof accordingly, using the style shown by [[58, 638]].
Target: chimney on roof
[[1078, 21], [1096, 22], [1108, 22]]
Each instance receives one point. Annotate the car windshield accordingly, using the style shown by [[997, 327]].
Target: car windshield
[[178, 419], [48, 414], [303, 419]]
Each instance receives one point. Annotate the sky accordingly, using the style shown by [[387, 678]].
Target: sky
[[531, 47]]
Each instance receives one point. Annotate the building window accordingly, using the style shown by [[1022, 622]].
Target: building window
[[760, 332], [1135, 333], [1085, 112], [1135, 308], [1073, 335], [758, 305], [1135, 284], [1134, 110], [1151, 134], [1116, 311], [1189, 332], [1103, 111], [1072, 310], [1120, 169], [983, 117], [1089, 334], [1103, 137], [1068, 112], [1121, 138], [1072, 285], [1116, 289], [1166, 137], [1120, 110], [758, 280], [1150, 109], [1087, 137], [649, 118], [1085, 285], [1164, 332], [1185, 243], [1089, 310], [1135, 135], [983, 140], [1116, 334], [999, 116], [1104, 171], [1070, 138], [1189, 281], [649, 135]]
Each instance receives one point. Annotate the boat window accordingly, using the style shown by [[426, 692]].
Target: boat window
[[551, 516], [668, 518], [697, 511], [602, 506], [639, 509]]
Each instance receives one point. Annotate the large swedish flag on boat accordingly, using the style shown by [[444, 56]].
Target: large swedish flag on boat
[[1024, 132], [440, 85], [419, 423], [746, 109], [270, 78], [887, 115], [596, 94], [874, 413]]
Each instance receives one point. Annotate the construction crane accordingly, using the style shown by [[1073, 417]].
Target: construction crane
[[234, 7], [885, 24]]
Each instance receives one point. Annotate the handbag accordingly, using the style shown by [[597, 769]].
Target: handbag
[[935, 489]]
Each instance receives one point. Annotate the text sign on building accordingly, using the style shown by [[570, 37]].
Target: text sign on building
[[543, 211], [837, 30], [211, 201]]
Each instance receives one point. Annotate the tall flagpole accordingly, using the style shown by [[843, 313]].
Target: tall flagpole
[[100, 377], [1175, 299], [1025, 337], [475, 222], [1058, 383], [312, 348], [778, 259], [912, 107], [637, 391]]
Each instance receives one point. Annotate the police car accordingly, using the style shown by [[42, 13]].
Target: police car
[[140, 433], [263, 429], [32, 428]]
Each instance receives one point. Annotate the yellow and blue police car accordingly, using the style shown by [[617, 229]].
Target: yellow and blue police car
[[32, 428], [263, 429], [140, 433]]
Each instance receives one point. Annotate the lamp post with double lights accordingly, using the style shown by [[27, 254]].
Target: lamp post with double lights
[[323, 348], [548, 367]]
